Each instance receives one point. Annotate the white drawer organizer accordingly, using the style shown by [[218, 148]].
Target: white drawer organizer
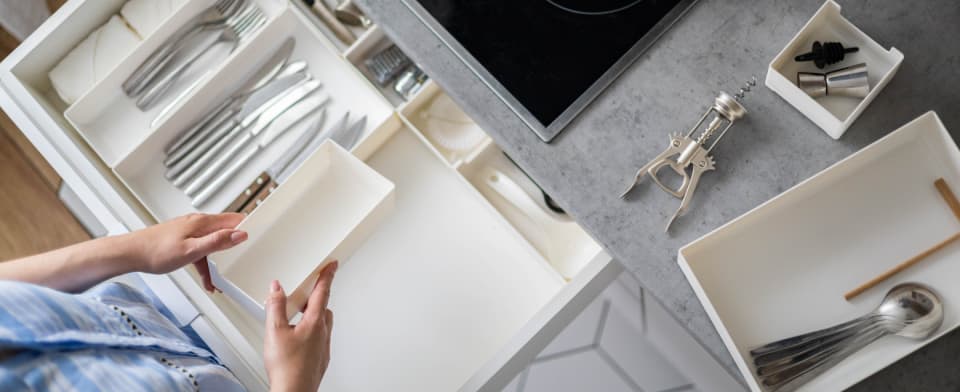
[[452, 290], [833, 114]]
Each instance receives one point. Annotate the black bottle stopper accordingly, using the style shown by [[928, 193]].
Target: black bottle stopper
[[826, 53]]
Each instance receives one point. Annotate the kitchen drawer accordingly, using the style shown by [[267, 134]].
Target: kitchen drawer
[[457, 290]]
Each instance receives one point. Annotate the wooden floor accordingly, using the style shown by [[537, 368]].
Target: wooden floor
[[32, 218]]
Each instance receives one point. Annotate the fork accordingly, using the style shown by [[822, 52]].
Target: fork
[[235, 30], [213, 16]]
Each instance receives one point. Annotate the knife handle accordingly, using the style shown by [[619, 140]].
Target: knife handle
[[186, 144], [237, 204], [342, 32], [224, 177], [184, 168], [219, 164], [221, 140], [184, 137], [261, 195]]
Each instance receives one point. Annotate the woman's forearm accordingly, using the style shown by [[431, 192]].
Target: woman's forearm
[[74, 268]]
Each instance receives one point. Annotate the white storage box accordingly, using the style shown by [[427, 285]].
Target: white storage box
[[324, 212], [782, 269], [833, 114]]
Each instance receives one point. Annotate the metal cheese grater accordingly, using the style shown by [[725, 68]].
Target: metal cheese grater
[[689, 157], [386, 65]]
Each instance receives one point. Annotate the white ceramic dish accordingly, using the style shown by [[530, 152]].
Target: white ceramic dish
[[833, 114], [782, 268], [322, 213]]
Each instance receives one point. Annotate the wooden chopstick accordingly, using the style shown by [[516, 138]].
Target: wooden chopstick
[[948, 196], [954, 204], [900, 267]]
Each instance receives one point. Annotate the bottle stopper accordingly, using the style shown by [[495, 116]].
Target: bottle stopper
[[826, 53]]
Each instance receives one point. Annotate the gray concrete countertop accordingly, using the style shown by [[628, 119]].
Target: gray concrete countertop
[[715, 47]]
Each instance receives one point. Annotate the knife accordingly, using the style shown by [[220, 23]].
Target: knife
[[224, 134], [342, 133], [246, 134], [281, 163], [290, 119], [235, 104], [262, 76]]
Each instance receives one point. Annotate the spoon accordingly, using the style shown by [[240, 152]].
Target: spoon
[[909, 310]]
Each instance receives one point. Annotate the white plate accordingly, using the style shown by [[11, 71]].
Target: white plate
[[782, 268]]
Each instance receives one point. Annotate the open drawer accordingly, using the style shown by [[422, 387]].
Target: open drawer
[[456, 290]]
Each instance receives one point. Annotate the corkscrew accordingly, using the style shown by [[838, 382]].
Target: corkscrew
[[689, 157]]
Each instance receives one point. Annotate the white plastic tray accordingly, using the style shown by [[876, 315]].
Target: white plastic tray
[[322, 213], [111, 122], [782, 268], [833, 114], [142, 169]]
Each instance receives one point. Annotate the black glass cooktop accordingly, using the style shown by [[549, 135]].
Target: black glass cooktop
[[549, 58]]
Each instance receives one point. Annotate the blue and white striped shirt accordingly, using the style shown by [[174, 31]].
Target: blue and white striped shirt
[[110, 338]]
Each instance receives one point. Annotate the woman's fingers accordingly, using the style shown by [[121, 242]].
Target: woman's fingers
[[204, 270], [214, 242], [320, 296], [329, 331], [276, 307], [202, 224]]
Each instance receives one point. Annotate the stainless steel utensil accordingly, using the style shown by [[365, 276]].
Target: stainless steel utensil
[[289, 75], [326, 16], [235, 30], [290, 103], [910, 310], [410, 82], [292, 117], [387, 64], [348, 13], [347, 137], [183, 168], [343, 133], [279, 165], [270, 68], [209, 18], [686, 152]]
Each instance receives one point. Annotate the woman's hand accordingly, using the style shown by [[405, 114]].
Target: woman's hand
[[167, 246], [297, 356], [157, 249]]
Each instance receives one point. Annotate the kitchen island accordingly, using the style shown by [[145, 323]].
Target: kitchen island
[[716, 47]]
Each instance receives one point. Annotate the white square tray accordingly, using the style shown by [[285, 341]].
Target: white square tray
[[324, 212], [833, 114], [782, 268]]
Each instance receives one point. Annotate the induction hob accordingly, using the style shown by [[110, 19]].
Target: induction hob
[[547, 59]]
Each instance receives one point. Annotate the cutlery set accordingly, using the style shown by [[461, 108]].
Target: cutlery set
[[228, 22], [909, 310], [345, 133], [277, 98]]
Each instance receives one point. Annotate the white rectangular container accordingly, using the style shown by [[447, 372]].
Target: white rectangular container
[[782, 268], [324, 212], [833, 114]]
